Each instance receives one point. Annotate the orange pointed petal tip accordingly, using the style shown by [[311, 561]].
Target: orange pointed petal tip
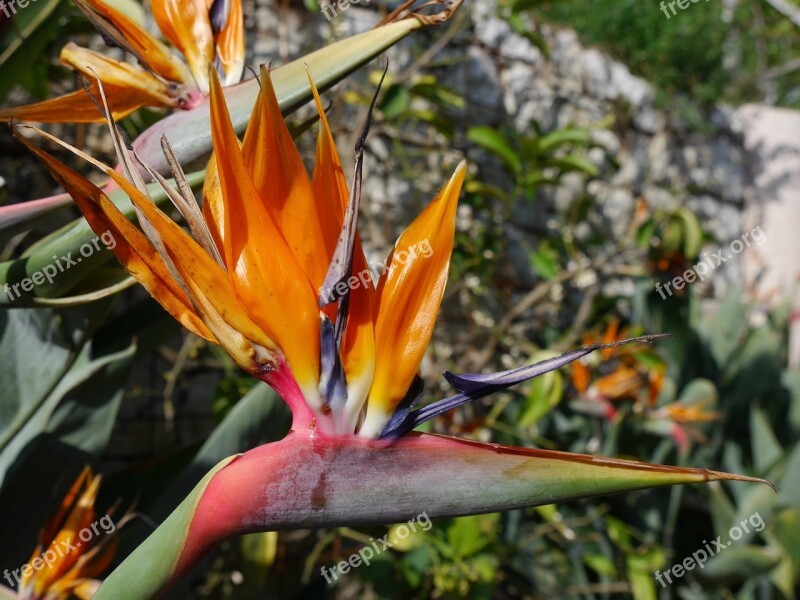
[[75, 513], [407, 302]]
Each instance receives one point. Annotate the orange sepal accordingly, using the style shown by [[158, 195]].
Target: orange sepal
[[624, 382], [282, 183], [118, 74], [80, 514], [267, 278], [409, 295]]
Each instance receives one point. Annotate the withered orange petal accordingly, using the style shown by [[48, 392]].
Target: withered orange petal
[[135, 39], [409, 295], [132, 248], [77, 107], [186, 25], [282, 183], [267, 278], [118, 74]]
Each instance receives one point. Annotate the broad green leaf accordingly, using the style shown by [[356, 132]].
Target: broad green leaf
[[34, 400], [494, 142], [555, 140], [575, 163]]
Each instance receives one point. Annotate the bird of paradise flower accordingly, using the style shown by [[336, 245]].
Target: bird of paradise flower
[[66, 563], [202, 30], [260, 273]]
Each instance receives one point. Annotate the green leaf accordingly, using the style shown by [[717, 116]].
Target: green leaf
[[49, 394], [545, 262], [786, 529], [494, 142], [545, 394], [737, 563], [571, 163], [553, 141], [396, 101], [31, 28], [766, 448], [469, 535], [692, 232]]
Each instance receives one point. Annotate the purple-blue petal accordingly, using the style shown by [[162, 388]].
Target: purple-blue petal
[[218, 14], [473, 386]]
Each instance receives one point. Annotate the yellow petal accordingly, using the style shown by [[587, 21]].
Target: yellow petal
[[230, 44], [131, 247], [282, 183], [329, 188], [134, 38], [409, 295], [267, 278], [185, 24], [118, 74]]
